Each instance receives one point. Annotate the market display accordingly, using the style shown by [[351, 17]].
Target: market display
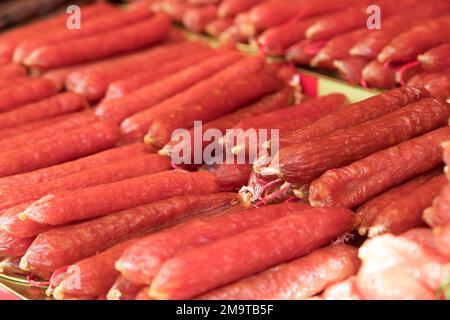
[[350, 200]]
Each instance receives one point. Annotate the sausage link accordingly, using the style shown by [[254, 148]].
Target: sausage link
[[100, 23], [222, 100], [351, 69], [20, 141], [362, 180], [371, 209], [91, 80], [68, 168], [437, 59], [439, 213], [304, 51], [10, 266], [408, 45], [12, 70], [141, 262], [438, 84], [127, 39], [29, 91], [67, 146], [108, 173], [373, 43], [86, 239], [123, 289], [143, 295], [140, 122], [377, 75], [10, 246], [54, 106], [196, 18], [152, 94], [216, 27], [230, 8], [231, 176], [102, 200], [344, 290], [357, 113], [222, 261], [125, 86], [302, 163], [406, 212], [175, 10], [296, 280], [279, 100]]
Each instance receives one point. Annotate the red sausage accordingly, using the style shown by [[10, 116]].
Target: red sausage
[[13, 37], [302, 163], [439, 213], [120, 88], [175, 10], [12, 70], [66, 245], [377, 75], [143, 295], [123, 289], [379, 171], [373, 43], [57, 105], [74, 122], [116, 171], [344, 290], [438, 84], [68, 168], [66, 146], [406, 212], [354, 17], [231, 176], [12, 225], [357, 113], [351, 69], [222, 261], [140, 122], [281, 99], [303, 52], [99, 24], [437, 59], [141, 262], [127, 39], [102, 200], [216, 27], [10, 266], [337, 49], [231, 36], [152, 94], [196, 18], [408, 45], [10, 246], [92, 80], [230, 8], [442, 240], [26, 92], [370, 210], [296, 280], [222, 100]]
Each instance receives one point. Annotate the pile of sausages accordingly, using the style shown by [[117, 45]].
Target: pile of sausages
[[411, 44], [92, 207]]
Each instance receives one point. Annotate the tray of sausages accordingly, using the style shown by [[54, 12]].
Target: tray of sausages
[[96, 204]]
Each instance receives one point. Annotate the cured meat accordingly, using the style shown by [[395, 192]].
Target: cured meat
[[141, 262], [29, 91], [344, 290], [377, 75], [105, 199], [302, 163], [123, 289], [222, 100], [140, 122], [408, 270], [11, 71], [107, 173], [438, 84], [10, 266], [231, 176], [230, 8], [222, 260], [127, 39], [152, 94], [408, 45], [196, 18], [362, 180], [10, 246], [437, 59], [143, 295], [57, 105], [303, 52], [350, 69], [371, 209], [356, 113], [68, 168], [439, 213], [66, 245], [299, 279], [216, 27], [67, 146], [406, 212]]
